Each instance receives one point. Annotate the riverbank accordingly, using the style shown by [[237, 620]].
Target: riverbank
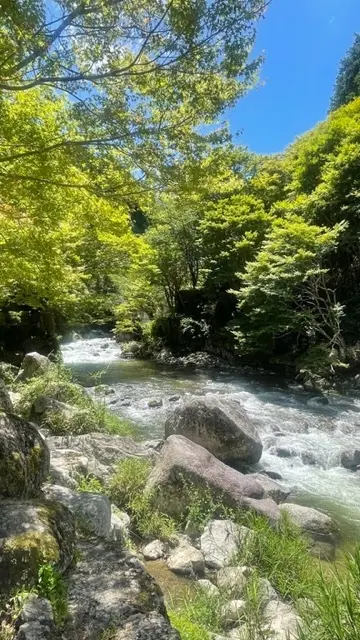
[[246, 574]]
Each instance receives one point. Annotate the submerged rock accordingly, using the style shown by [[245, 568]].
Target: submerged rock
[[155, 403], [182, 460], [218, 424], [24, 458], [31, 533], [272, 488], [109, 589], [350, 459]]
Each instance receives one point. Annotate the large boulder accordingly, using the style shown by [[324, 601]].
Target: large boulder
[[220, 425], [182, 461], [102, 450], [24, 458], [91, 510], [109, 589], [31, 533], [318, 527], [32, 365], [278, 492]]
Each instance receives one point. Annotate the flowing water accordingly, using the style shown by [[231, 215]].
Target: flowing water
[[285, 417]]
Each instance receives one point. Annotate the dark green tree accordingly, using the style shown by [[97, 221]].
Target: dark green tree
[[347, 86]]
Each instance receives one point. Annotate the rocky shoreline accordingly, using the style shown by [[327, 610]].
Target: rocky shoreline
[[45, 518]]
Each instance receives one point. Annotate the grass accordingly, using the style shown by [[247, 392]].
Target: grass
[[126, 489], [88, 416]]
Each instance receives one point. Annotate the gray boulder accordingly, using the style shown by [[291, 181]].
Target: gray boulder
[[154, 550], [233, 579], [31, 533], [182, 460], [36, 609], [109, 589], [281, 621], [24, 458], [34, 630], [102, 450], [232, 612], [186, 560], [220, 425], [66, 466], [32, 365], [220, 542], [273, 489], [350, 459], [5, 400], [208, 587], [92, 511], [318, 527]]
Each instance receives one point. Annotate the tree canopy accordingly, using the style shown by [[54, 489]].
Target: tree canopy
[[347, 86]]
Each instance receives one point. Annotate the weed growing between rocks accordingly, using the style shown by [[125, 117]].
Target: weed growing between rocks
[[280, 554], [126, 490], [82, 415]]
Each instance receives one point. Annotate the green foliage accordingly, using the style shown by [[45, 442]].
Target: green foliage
[[126, 489], [335, 607], [51, 585], [88, 415], [347, 85], [187, 629], [280, 554], [89, 483]]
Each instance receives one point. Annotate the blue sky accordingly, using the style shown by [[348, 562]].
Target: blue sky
[[303, 41]]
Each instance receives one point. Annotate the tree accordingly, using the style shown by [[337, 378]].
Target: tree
[[274, 284], [347, 86], [140, 77]]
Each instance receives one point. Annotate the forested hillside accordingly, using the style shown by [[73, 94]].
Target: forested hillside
[[119, 206]]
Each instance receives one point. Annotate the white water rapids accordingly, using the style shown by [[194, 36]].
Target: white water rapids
[[285, 418]]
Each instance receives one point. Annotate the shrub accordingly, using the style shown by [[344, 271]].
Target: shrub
[[187, 629]]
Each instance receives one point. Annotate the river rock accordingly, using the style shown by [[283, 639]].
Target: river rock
[[154, 550], [5, 400], [274, 475], [182, 460], [218, 424], [208, 587], [186, 560], [36, 609], [317, 526], [231, 612], [66, 465], [120, 525], [34, 630], [31, 533], [272, 488], [267, 592], [221, 541], [92, 511], [32, 365], [155, 403], [102, 450], [350, 459], [233, 579], [281, 621], [24, 458], [109, 589]]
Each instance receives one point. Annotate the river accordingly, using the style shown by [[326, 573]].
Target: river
[[285, 417]]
